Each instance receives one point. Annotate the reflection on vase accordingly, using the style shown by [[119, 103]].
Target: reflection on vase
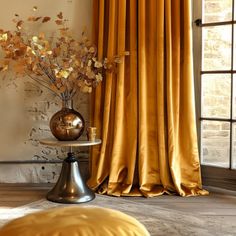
[[67, 124]]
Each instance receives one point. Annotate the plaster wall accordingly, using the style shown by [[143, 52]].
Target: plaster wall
[[25, 107]]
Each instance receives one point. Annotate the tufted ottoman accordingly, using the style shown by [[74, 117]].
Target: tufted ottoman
[[75, 221]]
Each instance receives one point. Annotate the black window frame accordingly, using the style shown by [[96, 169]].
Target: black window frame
[[212, 175]]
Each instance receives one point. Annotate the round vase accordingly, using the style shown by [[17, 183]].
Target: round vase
[[67, 124]]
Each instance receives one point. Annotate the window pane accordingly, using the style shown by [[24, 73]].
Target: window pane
[[234, 97], [234, 55], [215, 142], [234, 146], [216, 90], [217, 10], [216, 48]]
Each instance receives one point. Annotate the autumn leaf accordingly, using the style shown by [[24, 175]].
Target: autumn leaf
[[85, 89], [3, 68], [54, 88], [63, 74], [46, 19], [19, 67], [3, 37], [33, 52], [41, 35], [28, 49], [63, 31], [35, 39], [9, 54], [98, 64], [99, 77], [16, 40], [29, 60], [6, 62], [35, 68], [59, 22], [19, 52], [89, 73], [31, 18], [4, 65], [37, 18], [89, 63], [92, 50], [19, 24], [56, 51], [60, 15]]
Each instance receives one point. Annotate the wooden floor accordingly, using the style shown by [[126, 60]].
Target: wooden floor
[[219, 203]]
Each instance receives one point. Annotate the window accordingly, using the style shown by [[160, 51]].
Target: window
[[215, 75]]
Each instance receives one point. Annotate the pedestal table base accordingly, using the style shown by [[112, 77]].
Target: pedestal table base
[[70, 187]]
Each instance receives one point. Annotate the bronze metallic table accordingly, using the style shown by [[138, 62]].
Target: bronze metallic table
[[70, 186]]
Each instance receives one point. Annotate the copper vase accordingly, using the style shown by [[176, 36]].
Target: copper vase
[[67, 124]]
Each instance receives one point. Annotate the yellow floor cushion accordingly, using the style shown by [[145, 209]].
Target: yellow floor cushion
[[75, 221]]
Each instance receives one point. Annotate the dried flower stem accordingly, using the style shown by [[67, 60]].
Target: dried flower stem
[[39, 82]]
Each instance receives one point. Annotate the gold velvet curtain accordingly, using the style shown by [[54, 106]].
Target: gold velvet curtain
[[145, 112]]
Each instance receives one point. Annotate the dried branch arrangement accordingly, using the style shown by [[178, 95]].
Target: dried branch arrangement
[[61, 63]]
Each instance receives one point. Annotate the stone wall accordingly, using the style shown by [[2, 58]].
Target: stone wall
[[216, 10], [26, 107]]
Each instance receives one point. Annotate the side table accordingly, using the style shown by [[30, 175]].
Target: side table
[[70, 186]]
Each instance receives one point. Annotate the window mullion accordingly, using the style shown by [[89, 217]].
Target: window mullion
[[232, 86]]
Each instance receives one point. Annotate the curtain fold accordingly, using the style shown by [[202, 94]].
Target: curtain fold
[[145, 112]]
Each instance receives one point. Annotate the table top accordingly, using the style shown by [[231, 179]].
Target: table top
[[76, 143]]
